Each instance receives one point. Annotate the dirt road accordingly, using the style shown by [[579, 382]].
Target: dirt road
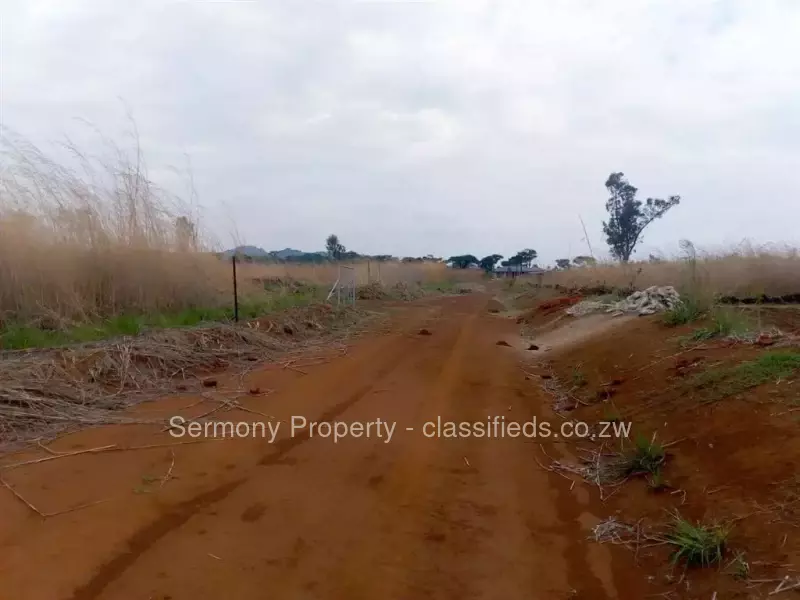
[[302, 517]]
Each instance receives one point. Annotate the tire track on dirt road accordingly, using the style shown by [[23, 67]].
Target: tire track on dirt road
[[470, 517], [365, 373]]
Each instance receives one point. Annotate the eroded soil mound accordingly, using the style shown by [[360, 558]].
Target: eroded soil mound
[[495, 306], [716, 421], [547, 308]]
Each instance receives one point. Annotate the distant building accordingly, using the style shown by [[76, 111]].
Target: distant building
[[517, 271]]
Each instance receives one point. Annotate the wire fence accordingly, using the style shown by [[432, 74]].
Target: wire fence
[[345, 286]]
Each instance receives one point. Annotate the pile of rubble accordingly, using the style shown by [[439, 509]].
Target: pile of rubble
[[653, 300], [371, 291]]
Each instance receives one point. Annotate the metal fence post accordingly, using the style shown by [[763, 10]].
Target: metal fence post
[[235, 291]]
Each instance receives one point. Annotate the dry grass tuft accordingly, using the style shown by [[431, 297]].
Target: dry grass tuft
[[746, 271], [388, 273]]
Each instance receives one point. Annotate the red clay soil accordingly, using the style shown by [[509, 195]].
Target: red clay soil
[[547, 311], [734, 460], [306, 518], [556, 304]]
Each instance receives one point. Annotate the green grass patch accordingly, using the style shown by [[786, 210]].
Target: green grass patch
[[578, 377], [645, 458], [656, 481], [724, 322], [686, 311], [695, 543], [723, 382], [446, 286], [20, 336]]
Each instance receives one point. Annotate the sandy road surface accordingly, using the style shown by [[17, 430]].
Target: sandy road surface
[[304, 518]]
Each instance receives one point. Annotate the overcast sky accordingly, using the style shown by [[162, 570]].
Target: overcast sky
[[442, 126]]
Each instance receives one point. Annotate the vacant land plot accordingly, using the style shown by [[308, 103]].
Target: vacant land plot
[[302, 516], [439, 455]]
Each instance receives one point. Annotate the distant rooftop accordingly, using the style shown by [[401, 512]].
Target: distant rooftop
[[518, 269]]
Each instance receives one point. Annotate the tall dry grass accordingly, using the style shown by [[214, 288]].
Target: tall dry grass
[[87, 237], [744, 271], [389, 273], [90, 237]]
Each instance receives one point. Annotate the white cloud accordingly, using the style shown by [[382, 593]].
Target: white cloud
[[446, 126]]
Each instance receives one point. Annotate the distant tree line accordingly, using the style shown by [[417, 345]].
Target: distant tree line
[[523, 258], [628, 218]]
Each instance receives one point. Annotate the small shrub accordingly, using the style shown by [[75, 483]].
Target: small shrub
[[697, 544], [687, 310]]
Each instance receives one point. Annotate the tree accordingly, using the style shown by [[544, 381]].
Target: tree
[[487, 263], [334, 248], [523, 258], [462, 261], [584, 261], [562, 263], [628, 217]]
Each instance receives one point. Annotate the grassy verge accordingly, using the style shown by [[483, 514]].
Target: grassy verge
[[720, 383], [16, 336]]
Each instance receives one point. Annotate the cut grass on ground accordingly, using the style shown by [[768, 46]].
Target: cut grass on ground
[[717, 384], [20, 336]]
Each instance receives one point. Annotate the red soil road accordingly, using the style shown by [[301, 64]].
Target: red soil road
[[304, 518]]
